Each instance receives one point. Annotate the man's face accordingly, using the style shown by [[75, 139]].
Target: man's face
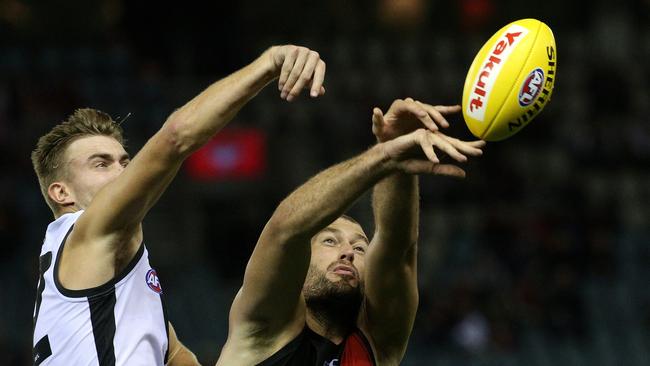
[[337, 259], [91, 163]]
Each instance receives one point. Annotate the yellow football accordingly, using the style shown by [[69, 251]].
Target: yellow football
[[511, 80]]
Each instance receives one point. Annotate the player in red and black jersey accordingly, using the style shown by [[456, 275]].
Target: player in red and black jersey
[[316, 290]]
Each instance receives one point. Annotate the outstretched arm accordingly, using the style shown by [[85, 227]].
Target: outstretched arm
[[391, 291], [391, 294], [269, 303], [115, 213]]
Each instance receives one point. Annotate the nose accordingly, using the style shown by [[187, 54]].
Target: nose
[[347, 253]]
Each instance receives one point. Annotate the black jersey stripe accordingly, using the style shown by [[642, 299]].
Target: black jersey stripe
[[41, 350], [102, 317], [44, 263], [165, 319]]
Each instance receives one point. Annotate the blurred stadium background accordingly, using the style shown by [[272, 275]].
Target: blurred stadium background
[[540, 257]]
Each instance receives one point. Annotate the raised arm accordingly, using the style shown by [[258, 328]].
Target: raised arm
[[115, 213], [269, 303], [391, 294]]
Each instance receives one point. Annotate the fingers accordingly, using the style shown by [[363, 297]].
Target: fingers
[[377, 120], [418, 166], [401, 151], [317, 82], [477, 143], [430, 116], [449, 170], [444, 145], [305, 76], [454, 148], [377, 115], [287, 66], [472, 148], [447, 109], [301, 69], [435, 114], [427, 146], [296, 70], [427, 167], [412, 107], [438, 111]]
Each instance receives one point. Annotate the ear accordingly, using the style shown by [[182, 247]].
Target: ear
[[61, 194]]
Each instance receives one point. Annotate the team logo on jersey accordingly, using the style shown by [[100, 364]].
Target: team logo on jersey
[[531, 87], [334, 362], [153, 282]]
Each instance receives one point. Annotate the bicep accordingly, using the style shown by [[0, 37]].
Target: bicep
[[391, 297], [270, 298]]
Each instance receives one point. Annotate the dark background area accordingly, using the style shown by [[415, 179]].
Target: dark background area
[[539, 257]]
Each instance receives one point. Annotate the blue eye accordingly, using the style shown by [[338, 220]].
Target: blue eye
[[329, 241]]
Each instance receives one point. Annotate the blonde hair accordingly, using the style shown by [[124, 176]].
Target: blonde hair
[[47, 158]]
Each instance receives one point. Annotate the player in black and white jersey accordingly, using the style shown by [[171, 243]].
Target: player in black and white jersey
[[99, 302]]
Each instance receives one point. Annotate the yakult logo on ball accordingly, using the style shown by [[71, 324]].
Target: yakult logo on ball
[[487, 74], [531, 87]]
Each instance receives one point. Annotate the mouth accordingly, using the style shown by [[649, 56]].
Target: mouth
[[344, 270]]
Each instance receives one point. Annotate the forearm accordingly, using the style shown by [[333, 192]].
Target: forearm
[[197, 121], [391, 267], [395, 203], [329, 194]]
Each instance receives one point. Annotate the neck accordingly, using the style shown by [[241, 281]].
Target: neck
[[331, 319], [72, 208]]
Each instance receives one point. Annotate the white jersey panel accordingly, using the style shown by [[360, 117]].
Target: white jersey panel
[[122, 322]]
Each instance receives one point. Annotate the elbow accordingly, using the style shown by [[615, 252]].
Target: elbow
[[280, 230], [285, 229], [178, 135]]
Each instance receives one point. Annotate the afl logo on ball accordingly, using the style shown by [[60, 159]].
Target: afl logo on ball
[[153, 282], [531, 87]]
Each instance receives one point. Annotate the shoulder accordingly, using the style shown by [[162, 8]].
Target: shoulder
[[57, 231], [63, 222]]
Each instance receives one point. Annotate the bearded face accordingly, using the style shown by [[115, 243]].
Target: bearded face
[[335, 276], [318, 287]]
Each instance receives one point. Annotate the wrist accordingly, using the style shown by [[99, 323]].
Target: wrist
[[384, 159], [266, 63]]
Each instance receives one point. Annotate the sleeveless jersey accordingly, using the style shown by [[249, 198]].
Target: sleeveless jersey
[[311, 349], [122, 322]]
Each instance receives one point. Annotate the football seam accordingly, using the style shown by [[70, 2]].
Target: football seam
[[513, 83]]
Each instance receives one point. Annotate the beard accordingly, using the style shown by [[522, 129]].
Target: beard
[[334, 304]]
